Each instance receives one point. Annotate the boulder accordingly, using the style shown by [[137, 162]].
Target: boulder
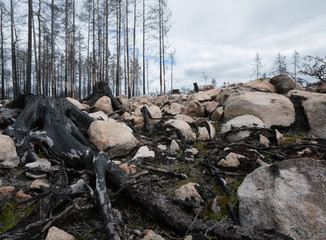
[[156, 114], [104, 104], [40, 184], [183, 128], [238, 122], [112, 136], [173, 109], [195, 109], [283, 83], [261, 85], [78, 104], [211, 106], [8, 154], [273, 109], [123, 99], [288, 196], [217, 114], [314, 109]]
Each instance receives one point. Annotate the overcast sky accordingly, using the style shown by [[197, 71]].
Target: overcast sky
[[221, 38]]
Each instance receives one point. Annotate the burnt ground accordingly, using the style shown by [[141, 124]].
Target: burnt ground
[[164, 173]]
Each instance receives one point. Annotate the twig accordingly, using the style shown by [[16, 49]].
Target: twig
[[192, 223]]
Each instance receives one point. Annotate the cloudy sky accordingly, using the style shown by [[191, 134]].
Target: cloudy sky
[[221, 38]]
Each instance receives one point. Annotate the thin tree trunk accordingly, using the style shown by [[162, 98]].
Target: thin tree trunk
[[160, 43], [66, 49], [80, 71], [99, 40], [73, 50], [127, 46], [39, 47], [36, 61], [53, 76], [144, 81], [28, 88], [107, 42], [88, 54], [94, 53], [134, 52], [13, 51], [2, 55], [118, 48]]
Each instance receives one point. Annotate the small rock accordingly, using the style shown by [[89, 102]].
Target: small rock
[[203, 134], [174, 147], [99, 115], [151, 235], [6, 192], [21, 196], [231, 160], [55, 233], [279, 137], [161, 147], [211, 130], [35, 176], [217, 114], [130, 169], [40, 184], [8, 154], [183, 127], [264, 140], [144, 152], [189, 193], [42, 163], [216, 206]]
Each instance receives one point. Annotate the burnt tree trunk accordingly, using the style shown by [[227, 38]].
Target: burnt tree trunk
[[59, 128]]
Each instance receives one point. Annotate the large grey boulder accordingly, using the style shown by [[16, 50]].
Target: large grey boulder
[[112, 136], [288, 196], [314, 109], [8, 154], [271, 108], [283, 83]]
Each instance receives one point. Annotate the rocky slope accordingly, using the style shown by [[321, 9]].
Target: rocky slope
[[250, 154]]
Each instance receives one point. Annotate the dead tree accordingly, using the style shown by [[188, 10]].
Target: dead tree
[[58, 128]]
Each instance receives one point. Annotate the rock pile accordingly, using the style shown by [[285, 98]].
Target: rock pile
[[235, 129]]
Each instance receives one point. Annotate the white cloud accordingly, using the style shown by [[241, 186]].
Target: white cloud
[[221, 38]]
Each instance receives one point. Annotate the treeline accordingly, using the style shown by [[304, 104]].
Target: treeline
[[62, 48]]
